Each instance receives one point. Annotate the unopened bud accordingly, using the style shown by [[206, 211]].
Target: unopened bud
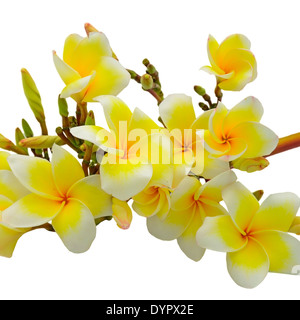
[[203, 106], [63, 107], [250, 165], [90, 119], [147, 82], [258, 194], [72, 122], [151, 69], [5, 143], [33, 96], [121, 213], [27, 129], [100, 220], [146, 62], [41, 142], [8, 145], [19, 136], [201, 91]]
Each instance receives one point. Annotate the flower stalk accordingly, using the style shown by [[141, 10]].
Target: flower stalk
[[287, 143]]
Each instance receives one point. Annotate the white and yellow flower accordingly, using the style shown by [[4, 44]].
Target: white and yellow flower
[[126, 168], [232, 62], [89, 68], [255, 237], [10, 191], [178, 115], [60, 193], [236, 133], [191, 203]]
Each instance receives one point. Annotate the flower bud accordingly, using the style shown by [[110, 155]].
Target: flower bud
[[121, 213], [20, 136], [147, 82], [27, 129], [201, 91], [41, 142], [8, 145], [33, 96], [203, 106], [90, 119], [258, 194], [250, 165], [63, 107]]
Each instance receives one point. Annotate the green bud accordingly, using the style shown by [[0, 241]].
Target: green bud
[[218, 93], [72, 122], [203, 106], [41, 142], [147, 82], [146, 62], [90, 119], [258, 194], [19, 136], [99, 220], [33, 96], [8, 145], [27, 129], [5, 143], [63, 107], [151, 69], [133, 74], [199, 90]]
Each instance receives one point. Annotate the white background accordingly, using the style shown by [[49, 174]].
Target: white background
[[172, 34]]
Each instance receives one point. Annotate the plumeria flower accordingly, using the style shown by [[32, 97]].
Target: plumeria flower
[[178, 115], [89, 68], [155, 199], [191, 203], [235, 133], [60, 193], [255, 237], [123, 171], [10, 191], [232, 62]]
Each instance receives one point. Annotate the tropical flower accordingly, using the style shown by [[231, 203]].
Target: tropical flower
[[155, 199], [125, 169], [191, 203], [10, 191], [254, 237], [178, 115], [235, 133], [61, 194], [232, 62], [89, 68]]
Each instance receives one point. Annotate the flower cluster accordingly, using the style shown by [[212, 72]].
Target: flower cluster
[[178, 172]]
